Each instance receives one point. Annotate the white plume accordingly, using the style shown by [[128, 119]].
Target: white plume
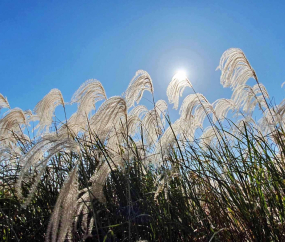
[[87, 95], [38, 157], [222, 107], [247, 97], [107, 116], [4, 102], [235, 68], [189, 103], [11, 124], [141, 82], [64, 210], [45, 108], [176, 88]]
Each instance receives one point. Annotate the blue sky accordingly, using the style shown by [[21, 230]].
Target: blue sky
[[60, 44]]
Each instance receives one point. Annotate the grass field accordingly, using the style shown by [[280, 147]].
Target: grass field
[[125, 172]]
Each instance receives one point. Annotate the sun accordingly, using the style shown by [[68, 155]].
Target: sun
[[181, 75]]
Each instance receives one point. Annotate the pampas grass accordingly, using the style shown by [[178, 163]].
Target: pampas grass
[[125, 172]]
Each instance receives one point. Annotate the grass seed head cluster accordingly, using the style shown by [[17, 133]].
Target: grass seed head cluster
[[126, 172]]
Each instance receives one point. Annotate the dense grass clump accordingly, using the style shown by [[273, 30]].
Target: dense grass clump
[[127, 173]]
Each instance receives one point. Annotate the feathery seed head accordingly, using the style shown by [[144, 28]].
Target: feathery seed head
[[141, 82], [45, 108], [235, 68], [87, 95], [4, 102], [176, 88]]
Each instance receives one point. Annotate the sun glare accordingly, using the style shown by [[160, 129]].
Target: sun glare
[[181, 75]]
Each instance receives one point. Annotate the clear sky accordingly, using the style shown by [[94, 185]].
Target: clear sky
[[60, 44]]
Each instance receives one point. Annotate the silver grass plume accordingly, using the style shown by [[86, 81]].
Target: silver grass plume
[[235, 68], [189, 103], [98, 181], [3, 102], [152, 126], [45, 108], [65, 208], [222, 107], [10, 154], [12, 122], [83, 208], [168, 140], [75, 124], [118, 134], [30, 116], [176, 88], [135, 118], [126, 126], [138, 111], [248, 97], [201, 112], [267, 123], [141, 82], [99, 178], [38, 157], [153, 122], [83, 203], [108, 114], [87, 95], [251, 104], [280, 109], [161, 108]]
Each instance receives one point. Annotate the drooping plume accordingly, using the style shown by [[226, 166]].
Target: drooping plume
[[235, 68], [87, 95], [45, 108], [201, 112], [75, 124], [65, 208], [108, 115], [138, 111], [83, 208], [3, 102], [169, 138], [280, 108], [135, 117], [222, 107], [141, 82], [38, 157], [153, 122], [248, 97], [95, 191], [99, 179], [11, 124], [189, 103], [176, 88], [161, 107], [152, 125], [267, 123]]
